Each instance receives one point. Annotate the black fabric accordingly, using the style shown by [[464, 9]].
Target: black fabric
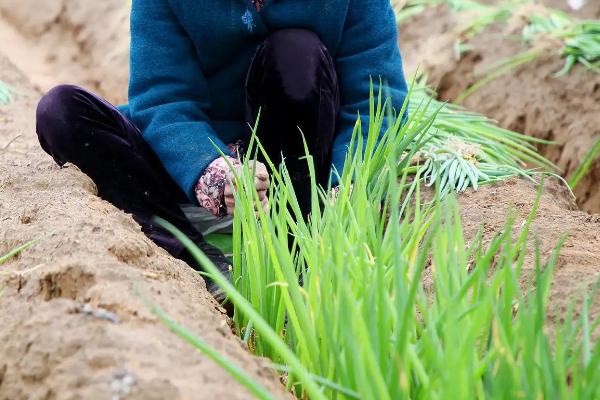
[[292, 81]]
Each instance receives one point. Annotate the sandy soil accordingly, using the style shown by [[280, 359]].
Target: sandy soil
[[578, 267], [528, 100], [69, 41], [57, 339], [71, 323]]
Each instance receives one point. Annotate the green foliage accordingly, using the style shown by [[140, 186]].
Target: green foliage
[[468, 149], [579, 40], [411, 8], [464, 150], [586, 165], [242, 377], [582, 45], [481, 15], [5, 95], [337, 300], [4, 258], [13, 253], [222, 241], [501, 68]]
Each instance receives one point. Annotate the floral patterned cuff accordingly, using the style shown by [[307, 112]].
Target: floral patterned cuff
[[335, 191], [211, 185], [258, 4]]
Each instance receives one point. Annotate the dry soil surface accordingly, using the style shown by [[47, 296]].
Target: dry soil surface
[[58, 334], [529, 99], [80, 42], [578, 267], [72, 325]]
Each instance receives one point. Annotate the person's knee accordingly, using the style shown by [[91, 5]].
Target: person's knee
[[56, 105], [54, 120], [295, 59]]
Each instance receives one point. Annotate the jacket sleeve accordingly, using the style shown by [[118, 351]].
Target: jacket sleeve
[[168, 94], [369, 49]]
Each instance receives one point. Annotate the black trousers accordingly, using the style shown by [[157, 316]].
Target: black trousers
[[292, 80]]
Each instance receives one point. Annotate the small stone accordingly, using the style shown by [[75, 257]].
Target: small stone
[[100, 313], [122, 381]]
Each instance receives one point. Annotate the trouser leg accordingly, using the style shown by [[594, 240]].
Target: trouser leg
[[293, 83], [76, 126]]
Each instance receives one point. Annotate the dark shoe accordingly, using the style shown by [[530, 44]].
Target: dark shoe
[[219, 259]]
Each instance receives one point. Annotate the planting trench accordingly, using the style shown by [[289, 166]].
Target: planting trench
[[53, 346], [528, 99]]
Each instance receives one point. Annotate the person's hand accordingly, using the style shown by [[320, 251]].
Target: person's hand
[[261, 182], [335, 191]]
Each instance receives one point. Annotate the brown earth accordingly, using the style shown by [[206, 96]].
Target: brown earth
[[80, 42], [578, 267], [71, 323], [529, 100], [88, 253]]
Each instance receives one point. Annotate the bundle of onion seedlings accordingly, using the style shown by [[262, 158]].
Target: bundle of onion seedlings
[[336, 299], [578, 41], [467, 149]]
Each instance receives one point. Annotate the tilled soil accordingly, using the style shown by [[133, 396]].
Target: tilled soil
[[73, 324], [528, 100], [79, 42], [578, 266]]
